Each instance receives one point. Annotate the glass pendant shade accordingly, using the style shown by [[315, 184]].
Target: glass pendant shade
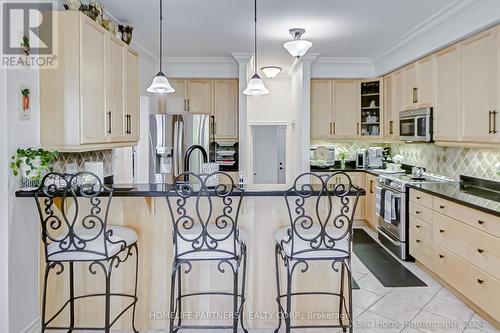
[[160, 85], [256, 86], [298, 47]]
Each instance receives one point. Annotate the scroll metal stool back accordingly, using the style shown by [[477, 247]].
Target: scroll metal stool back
[[321, 211], [205, 228], [73, 211]]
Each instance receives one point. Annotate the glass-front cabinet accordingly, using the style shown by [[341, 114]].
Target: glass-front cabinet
[[371, 108]]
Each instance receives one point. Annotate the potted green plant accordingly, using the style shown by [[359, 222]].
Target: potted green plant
[[31, 164], [343, 155]]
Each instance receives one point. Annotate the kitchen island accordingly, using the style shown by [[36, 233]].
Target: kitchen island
[[143, 207]]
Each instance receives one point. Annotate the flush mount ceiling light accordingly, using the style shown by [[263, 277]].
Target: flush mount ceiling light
[[255, 85], [160, 84], [297, 47], [271, 71]]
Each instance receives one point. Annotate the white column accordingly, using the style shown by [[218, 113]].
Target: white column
[[244, 61]]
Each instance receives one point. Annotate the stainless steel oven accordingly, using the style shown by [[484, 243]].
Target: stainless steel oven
[[391, 211], [416, 125]]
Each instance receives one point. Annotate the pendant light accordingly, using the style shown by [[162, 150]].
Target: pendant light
[[297, 47], [255, 85], [160, 84]]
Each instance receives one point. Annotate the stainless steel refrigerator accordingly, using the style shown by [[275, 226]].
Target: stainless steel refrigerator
[[170, 136]]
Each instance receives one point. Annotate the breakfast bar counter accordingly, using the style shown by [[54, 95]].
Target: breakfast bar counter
[[143, 208]]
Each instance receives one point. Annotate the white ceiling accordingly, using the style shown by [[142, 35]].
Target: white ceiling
[[217, 28]]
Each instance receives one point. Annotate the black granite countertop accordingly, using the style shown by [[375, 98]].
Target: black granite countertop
[[350, 167], [160, 190], [454, 192]]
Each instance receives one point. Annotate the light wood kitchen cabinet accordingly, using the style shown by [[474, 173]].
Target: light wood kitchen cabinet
[[132, 113], [215, 97], [459, 244], [191, 95], [370, 200], [321, 109], [115, 105], [390, 121], [199, 96], [335, 109], [409, 89], [176, 102], [447, 112], [84, 101], [346, 118], [226, 109], [478, 62], [93, 40], [425, 79]]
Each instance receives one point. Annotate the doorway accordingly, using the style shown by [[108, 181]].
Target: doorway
[[269, 154]]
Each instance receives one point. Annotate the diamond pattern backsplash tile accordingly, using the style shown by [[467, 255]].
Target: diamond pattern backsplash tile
[[105, 156], [447, 161]]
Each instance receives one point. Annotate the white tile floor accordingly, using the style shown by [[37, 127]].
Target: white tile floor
[[406, 310]]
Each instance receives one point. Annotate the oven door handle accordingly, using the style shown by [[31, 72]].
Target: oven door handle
[[389, 238]]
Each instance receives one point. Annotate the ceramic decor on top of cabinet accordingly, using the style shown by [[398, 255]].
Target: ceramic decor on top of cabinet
[[91, 101]]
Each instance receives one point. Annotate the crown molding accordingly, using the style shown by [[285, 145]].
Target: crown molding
[[454, 22], [199, 60], [342, 67]]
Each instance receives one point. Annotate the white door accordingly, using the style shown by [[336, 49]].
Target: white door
[[266, 153], [281, 140]]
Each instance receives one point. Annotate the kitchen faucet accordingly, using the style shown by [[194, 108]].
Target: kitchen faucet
[[187, 157]]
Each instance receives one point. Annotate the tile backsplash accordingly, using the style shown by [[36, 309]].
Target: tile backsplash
[[447, 161], [105, 156]]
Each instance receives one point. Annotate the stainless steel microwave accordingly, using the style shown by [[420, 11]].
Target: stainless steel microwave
[[416, 125]]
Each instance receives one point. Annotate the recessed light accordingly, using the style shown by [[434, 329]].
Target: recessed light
[[271, 71]]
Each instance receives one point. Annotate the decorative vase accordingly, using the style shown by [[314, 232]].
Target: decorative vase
[[342, 164], [127, 34]]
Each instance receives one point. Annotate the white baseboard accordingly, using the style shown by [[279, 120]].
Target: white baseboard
[[34, 327]]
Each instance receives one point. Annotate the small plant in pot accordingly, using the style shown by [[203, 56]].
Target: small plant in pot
[[31, 165], [343, 155]]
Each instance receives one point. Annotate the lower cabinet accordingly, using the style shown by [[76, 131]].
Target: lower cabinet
[[370, 200], [446, 238]]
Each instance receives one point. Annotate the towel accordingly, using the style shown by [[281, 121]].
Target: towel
[[388, 199], [380, 204]]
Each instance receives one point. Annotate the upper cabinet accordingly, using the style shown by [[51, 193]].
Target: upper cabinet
[[226, 108], [215, 97], [478, 77], [346, 109], [91, 101], [321, 109], [447, 91], [346, 123]]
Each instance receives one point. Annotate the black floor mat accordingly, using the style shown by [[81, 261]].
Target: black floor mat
[[389, 271]]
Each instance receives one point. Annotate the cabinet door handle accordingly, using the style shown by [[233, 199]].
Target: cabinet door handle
[[480, 250], [185, 105], [489, 122], [442, 207], [441, 231], [357, 129], [441, 256], [127, 124], [391, 127], [334, 128], [494, 122], [371, 186], [330, 127], [418, 226], [417, 212], [480, 281], [109, 122], [417, 240], [418, 198], [188, 105], [480, 221]]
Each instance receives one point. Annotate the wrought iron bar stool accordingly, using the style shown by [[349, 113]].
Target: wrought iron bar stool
[[205, 229], [320, 229], [73, 212]]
